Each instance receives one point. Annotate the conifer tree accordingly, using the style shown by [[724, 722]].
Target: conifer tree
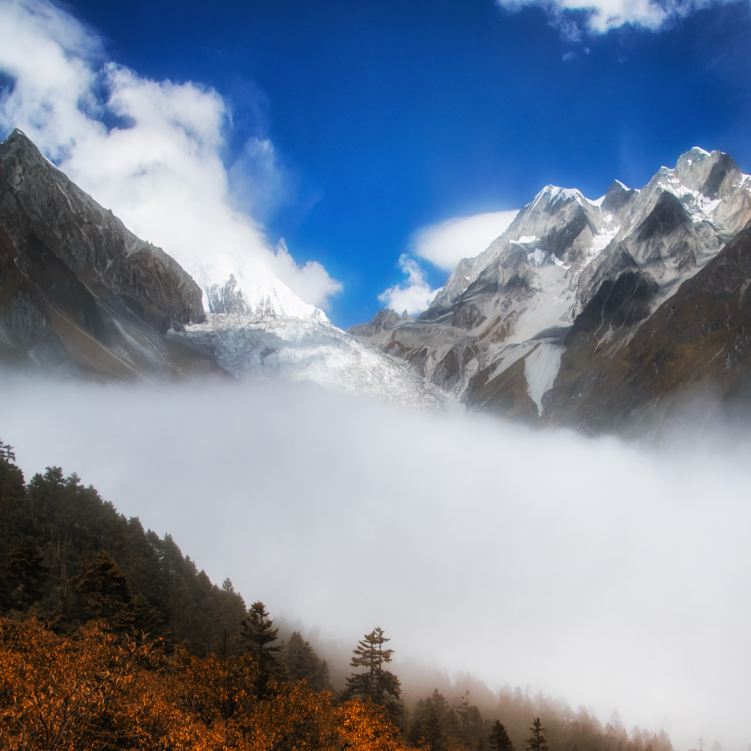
[[26, 574], [537, 742], [302, 663], [377, 684], [105, 588], [257, 633], [499, 740], [6, 452], [432, 722]]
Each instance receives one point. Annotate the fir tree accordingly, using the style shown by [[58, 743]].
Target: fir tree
[[430, 723], [302, 663], [105, 588], [537, 742], [499, 740], [257, 633], [6, 452], [26, 575], [376, 684]]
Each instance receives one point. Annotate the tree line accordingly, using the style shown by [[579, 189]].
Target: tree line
[[86, 592]]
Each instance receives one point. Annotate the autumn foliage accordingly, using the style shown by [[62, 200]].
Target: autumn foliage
[[96, 689]]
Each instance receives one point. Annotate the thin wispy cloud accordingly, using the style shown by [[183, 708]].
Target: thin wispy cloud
[[150, 150]]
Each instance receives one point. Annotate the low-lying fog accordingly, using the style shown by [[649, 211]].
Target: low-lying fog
[[610, 575]]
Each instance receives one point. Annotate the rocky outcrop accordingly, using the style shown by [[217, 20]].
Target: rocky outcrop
[[695, 346], [547, 313], [78, 291]]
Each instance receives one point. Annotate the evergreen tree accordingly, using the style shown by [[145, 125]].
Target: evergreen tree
[[537, 742], [105, 588], [376, 684], [26, 575], [433, 721], [257, 633], [499, 740], [147, 619], [6, 452], [302, 663]]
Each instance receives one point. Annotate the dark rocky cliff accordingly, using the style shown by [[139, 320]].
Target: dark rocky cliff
[[78, 291]]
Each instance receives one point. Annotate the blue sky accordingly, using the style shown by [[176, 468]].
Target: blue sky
[[345, 128]]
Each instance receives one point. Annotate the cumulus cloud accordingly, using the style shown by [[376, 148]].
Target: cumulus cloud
[[604, 15], [414, 295], [445, 244], [612, 576], [150, 150]]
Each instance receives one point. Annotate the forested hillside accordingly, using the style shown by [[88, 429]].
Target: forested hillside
[[110, 638]]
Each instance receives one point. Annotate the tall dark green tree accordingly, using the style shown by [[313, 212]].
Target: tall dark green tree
[[105, 589], [537, 742], [26, 575], [257, 631], [376, 684], [303, 664], [6, 452], [499, 740], [434, 723]]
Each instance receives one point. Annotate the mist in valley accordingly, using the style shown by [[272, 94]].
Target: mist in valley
[[613, 575]]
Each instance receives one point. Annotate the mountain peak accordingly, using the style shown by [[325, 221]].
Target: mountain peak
[[19, 148], [617, 196], [705, 172]]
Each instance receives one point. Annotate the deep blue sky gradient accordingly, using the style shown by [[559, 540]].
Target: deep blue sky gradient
[[389, 116]]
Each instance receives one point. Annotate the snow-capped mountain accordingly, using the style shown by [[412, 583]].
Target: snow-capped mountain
[[506, 333], [607, 314], [82, 295], [233, 284]]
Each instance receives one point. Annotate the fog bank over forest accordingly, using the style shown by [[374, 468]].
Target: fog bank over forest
[[611, 574]]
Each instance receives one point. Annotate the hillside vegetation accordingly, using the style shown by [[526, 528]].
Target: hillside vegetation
[[111, 638]]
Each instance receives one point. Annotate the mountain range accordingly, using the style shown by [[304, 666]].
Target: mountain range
[[612, 314], [608, 315], [82, 296]]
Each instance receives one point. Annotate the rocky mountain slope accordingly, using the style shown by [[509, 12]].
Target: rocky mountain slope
[[82, 295], [79, 293], [556, 320]]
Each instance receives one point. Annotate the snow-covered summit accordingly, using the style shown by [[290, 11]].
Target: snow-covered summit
[[260, 296], [563, 254], [233, 282]]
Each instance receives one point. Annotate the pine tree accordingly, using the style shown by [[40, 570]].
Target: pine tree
[[376, 684], [432, 722], [105, 587], [537, 742], [6, 452], [499, 740], [257, 633], [26, 574], [302, 663], [147, 619]]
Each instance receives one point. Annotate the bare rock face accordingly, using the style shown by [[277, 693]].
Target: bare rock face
[[541, 324], [78, 291]]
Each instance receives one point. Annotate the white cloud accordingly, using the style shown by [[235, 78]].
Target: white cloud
[[604, 15], [259, 181], [159, 168], [612, 576], [414, 295], [445, 244]]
